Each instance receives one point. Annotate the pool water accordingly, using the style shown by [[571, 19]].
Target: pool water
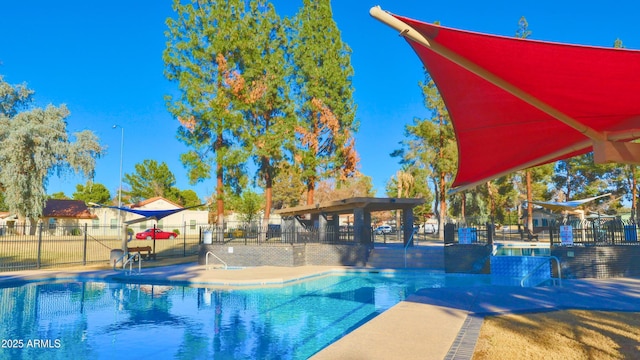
[[99, 320]]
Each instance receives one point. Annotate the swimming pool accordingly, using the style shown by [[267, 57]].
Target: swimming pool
[[102, 320], [521, 249]]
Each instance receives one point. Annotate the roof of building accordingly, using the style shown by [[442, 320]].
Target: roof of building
[[143, 203], [59, 208], [346, 206]]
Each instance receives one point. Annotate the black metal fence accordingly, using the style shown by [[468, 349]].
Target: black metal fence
[[595, 232], [275, 235], [592, 232], [477, 234], [25, 247]]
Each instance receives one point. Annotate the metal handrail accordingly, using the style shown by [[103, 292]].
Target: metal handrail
[[206, 259], [542, 264], [115, 261], [130, 259], [407, 245]]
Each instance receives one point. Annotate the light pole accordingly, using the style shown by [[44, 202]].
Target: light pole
[[121, 154], [120, 220]]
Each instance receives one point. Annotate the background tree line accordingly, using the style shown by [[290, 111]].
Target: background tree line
[[264, 102]]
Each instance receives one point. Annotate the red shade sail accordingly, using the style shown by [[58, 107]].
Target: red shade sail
[[519, 103]]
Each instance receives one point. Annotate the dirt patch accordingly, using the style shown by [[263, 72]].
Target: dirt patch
[[571, 334]]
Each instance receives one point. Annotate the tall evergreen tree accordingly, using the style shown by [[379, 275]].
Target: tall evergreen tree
[[203, 51], [325, 107], [261, 93], [34, 144], [631, 173], [431, 150]]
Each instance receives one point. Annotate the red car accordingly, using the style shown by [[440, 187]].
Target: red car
[[148, 234]]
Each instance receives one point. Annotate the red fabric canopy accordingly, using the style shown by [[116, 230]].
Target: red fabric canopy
[[499, 132]]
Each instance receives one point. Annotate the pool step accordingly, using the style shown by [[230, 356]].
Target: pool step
[[427, 257]]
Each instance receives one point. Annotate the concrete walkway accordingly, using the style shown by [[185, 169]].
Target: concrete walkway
[[433, 323], [440, 323]]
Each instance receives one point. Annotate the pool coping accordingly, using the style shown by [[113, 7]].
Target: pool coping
[[195, 275]]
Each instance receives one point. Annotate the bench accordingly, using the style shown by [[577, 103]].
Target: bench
[[141, 250]]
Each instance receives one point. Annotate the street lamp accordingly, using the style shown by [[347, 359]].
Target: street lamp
[[121, 153]]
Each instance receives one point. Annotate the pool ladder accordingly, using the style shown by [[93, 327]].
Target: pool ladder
[[131, 258], [559, 268], [215, 256], [410, 242]]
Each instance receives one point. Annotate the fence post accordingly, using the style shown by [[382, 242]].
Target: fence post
[[38, 262], [184, 239], [84, 252], [489, 233]]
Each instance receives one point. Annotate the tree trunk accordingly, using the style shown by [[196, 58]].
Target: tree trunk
[[398, 220], [634, 195], [443, 206], [219, 193], [443, 201], [268, 194], [492, 202], [311, 188], [529, 202], [463, 206], [33, 226]]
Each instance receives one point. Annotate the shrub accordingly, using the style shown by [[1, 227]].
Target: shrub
[[177, 231], [129, 231], [76, 232]]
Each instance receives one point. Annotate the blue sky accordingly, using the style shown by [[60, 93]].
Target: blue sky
[[103, 59]]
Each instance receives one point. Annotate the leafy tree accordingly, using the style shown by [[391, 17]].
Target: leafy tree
[[189, 198], [92, 192], [34, 144], [261, 94], [204, 45], [248, 205], [630, 173], [416, 157], [288, 189], [3, 205], [325, 108], [436, 139], [150, 180], [523, 32], [357, 186], [59, 196], [579, 177]]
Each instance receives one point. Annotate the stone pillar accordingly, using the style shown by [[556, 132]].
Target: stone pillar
[[335, 227], [366, 232], [322, 228], [359, 226], [407, 219]]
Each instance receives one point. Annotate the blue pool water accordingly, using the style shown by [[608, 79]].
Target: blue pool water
[[100, 320]]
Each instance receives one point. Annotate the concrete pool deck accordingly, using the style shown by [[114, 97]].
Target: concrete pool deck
[[441, 323]]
